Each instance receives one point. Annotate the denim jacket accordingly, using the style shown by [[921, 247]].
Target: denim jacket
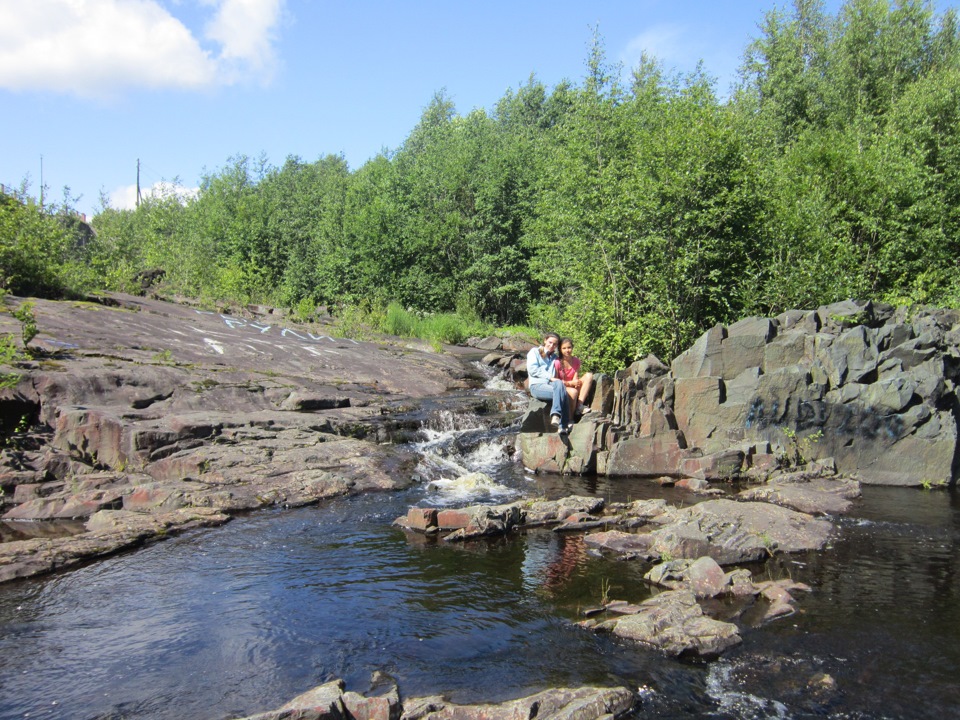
[[540, 369]]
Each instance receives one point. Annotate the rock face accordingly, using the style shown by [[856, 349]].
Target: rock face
[[147, 417], [869, 386]]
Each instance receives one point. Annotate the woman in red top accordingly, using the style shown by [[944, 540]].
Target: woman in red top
[[577, 386]]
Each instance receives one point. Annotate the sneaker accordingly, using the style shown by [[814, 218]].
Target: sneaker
[[585, 410], [555, 420], [563, 430]]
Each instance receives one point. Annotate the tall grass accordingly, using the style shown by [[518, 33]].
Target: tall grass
[[447, 328]]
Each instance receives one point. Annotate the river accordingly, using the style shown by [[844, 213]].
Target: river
[[230, 621]]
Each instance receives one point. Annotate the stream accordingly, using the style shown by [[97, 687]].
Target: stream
[[231, 621]]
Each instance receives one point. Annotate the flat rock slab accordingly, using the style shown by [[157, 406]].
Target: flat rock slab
[[583, 703], [814, 498], [146, 329], [624, 544], [674, 623], [736, 532], [108, 534]]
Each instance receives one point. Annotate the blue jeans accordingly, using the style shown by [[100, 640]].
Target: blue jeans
[[553, 392]]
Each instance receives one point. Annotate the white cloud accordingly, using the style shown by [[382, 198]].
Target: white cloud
[[664, 42], [680, 48], [245, 31], [125, 197], [98, 47]]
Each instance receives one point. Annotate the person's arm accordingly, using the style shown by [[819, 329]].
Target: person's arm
[[537, 369]]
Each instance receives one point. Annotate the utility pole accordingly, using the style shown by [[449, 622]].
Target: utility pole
[[138, 182]]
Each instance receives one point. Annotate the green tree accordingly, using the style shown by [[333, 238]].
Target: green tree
[[34, 248]]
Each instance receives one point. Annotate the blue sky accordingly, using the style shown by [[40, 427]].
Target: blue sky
[[89, 87]]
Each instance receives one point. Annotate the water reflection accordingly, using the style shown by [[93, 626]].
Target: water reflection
[[11, 531]]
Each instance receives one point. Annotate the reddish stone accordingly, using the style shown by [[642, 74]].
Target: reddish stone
[[764, 462], [453, 519], [692, 484], [143, 499], [371, 708], [421, 518]]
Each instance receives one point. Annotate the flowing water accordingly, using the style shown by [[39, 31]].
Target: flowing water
[[235, 620]]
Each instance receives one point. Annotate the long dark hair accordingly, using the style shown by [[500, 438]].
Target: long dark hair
[[560, 345]]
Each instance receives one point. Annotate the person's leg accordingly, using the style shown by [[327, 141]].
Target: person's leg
[[585, 387], [571, 402], [561, 403], [546, 392]]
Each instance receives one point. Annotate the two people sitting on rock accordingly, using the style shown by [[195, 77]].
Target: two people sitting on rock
[[544, 383], [567, 368]]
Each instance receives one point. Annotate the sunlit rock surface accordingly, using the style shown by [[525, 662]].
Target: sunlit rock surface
[[170, 416]]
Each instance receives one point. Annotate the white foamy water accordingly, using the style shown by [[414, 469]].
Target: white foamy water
[[721, 687], [467, 488], [440, 455], [499, 383], [455, 476], [488, 456]]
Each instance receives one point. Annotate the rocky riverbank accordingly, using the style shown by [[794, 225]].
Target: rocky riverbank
[[140, 418]]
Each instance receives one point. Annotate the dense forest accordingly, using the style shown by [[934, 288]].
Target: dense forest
[[632, 209]]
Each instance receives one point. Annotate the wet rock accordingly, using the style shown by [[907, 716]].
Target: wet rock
[[544, 512], [776, 600], [703, 576], [579, 522], [627, 545], [810, 495], [674, 623], [331, 702], [737, 532], [464, 523], [583, 703], [545, 450], [380, 707], [661, 454], [422, 519], [108, 531], [485, 521], [694, 485], [644, 511]]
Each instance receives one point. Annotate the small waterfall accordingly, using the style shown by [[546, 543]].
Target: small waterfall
[[463, 460]]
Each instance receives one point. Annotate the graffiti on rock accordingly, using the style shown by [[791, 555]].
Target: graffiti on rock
[[239, 323], [851, 419]]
